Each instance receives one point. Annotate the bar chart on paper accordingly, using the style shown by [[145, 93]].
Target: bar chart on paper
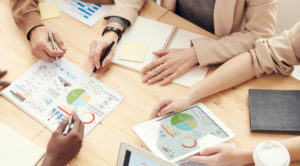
[[88, 13]]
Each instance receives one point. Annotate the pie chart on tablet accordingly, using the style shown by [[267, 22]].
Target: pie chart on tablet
[[184, 122], [78, 98]]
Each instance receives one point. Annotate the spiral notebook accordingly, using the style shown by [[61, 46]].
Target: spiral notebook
[[156, 35]]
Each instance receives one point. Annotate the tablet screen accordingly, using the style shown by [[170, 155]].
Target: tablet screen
[[187, 131], [134, 159]]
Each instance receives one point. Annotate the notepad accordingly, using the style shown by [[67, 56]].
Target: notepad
[[156, 36], [17, 150], [49, 9], [275, 110], [133, 51]]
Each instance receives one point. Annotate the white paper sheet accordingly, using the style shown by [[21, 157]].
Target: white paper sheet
[[88, 13], [296, 72], [49, 93], [17, 150]]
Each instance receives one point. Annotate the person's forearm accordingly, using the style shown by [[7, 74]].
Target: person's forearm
[[235, 71], [245, 157], [293, 146]]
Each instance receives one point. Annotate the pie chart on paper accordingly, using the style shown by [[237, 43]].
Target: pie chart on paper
[[78, 98], [184, 122]]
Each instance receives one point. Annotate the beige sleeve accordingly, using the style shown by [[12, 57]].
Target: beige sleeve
[[127, 9], [260, 16], [26, 14], [278, 54]]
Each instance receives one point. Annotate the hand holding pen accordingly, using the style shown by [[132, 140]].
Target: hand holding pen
[[63, 148], [41, 46], [70, 123], [105, 54]]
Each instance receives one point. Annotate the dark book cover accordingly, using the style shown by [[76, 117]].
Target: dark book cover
[[274, 110]]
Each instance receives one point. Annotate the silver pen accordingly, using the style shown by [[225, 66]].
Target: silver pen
[[68, 127], [53, 45]]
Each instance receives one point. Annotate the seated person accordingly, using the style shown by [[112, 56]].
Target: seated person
[[27, 17], [237, 24], [226, 154], [3, 84], [63, 148], [275, 55]]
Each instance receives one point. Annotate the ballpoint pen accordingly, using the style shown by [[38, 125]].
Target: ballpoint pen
[[106, 52], [68, 127], [53, 45], [70, 124]]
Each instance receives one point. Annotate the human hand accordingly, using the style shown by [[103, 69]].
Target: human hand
[[41, 46], [3, 84], [170, 65], [97, 48], [223, 155], [63, 148], [169, 105]]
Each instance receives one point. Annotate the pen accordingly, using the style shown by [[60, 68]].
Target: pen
[[53, 45], [68, 127], [106, 52]]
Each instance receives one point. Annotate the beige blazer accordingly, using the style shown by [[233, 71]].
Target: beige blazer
[[238, 23], [278, 54]]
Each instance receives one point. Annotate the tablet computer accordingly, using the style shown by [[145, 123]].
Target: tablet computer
[[178, 136], [130, 155]]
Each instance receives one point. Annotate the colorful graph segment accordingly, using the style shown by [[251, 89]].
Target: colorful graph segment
[[88, 117], [64, 82], [56, 116], [18, 96], [65, 110], [184, 122], [189, 142], [78, 98], [168, 130]]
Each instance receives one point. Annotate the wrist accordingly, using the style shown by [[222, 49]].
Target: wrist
[[111, 35], [32, 30], [194, 55], [245, 157], [113, 30], [116, 25], [50, 161]]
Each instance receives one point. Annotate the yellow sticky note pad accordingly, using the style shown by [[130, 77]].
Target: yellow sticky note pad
[[49, 9], [133, 51]]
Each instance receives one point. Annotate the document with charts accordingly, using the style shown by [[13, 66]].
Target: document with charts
[[88, 13], [49, 94]]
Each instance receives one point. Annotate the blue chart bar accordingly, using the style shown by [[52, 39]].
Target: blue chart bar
[[84, 11], [53, 110], [95, 8], [98, 5], [80, 4], [91, 10], [60, 116]]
